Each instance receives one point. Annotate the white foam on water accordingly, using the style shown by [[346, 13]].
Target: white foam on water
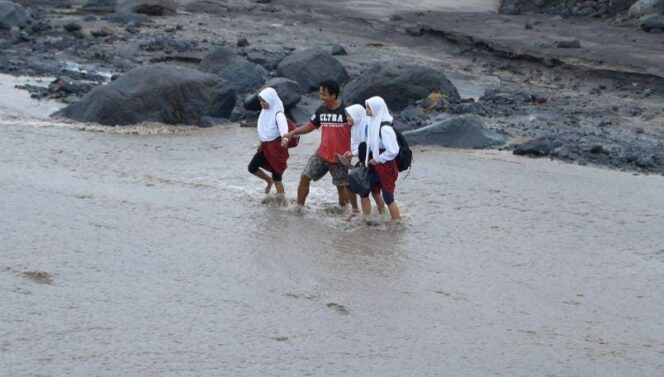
[[87, 69]]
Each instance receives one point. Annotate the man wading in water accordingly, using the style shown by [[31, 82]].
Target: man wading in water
[[335, 139]]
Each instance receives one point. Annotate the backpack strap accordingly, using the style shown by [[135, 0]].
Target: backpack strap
[[383, 124]]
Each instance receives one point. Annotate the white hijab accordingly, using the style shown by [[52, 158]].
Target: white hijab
[[268, 117], [359, 116], [380, 113]]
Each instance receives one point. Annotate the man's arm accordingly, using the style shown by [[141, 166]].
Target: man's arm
[[302, 130], [297, 131]]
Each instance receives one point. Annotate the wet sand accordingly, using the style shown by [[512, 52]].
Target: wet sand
[[148, 251]]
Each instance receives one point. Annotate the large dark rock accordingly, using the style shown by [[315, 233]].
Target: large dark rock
[[134, 19], [206, 6], [565, 8], [288, 90], [268, 59], [12, 15], [465, 131], [100, 6], [520, 6], [48, 3], [649, 23], [311, 67], [72, 27], [156, 93], [646, 7], [619, 6], [224, 62], [399, 85], [149, 7], [305, 109], [539, 147], [567, 43]]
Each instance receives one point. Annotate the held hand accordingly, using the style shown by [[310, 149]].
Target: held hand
[[373, 162], [348, 155], [284, 140]]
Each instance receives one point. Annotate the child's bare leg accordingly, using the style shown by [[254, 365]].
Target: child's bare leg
[[261, 174], [279, 186], [380, 203], [353, 203], [394, 211], [366, 206]]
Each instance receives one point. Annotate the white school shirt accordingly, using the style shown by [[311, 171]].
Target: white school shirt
[[275, 130], [388, 142]]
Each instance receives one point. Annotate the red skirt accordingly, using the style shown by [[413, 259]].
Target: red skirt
[[387, 176], [276, 156]]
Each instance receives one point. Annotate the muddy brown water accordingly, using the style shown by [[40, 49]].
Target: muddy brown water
[[163, 259]]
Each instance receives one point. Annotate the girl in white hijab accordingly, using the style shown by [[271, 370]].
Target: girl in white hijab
[[271, 127], [359, 121], [383, 149], [358, 133]]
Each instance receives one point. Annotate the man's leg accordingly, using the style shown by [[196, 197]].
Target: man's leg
[[343, 196], [339, 174], [316, 168], [303, 189]]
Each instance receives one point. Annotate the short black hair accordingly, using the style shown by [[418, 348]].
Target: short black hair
[[332, 87]]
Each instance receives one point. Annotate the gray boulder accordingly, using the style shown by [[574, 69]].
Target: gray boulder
[[206, 6], [567, 43], [399, 85], [100, 6], [565, 8], [268, 59], [465, 131], [12, 15], [225, 63], [654, 22], [155, 93], [338, 49], [134, 19], [646, 7], [311, 67], [48, 3], [304, 109], [149, 7], [519, 6], [288, 90], [619, 6], [539, 147]]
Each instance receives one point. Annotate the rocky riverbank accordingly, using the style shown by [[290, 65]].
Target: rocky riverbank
[[583, 89]]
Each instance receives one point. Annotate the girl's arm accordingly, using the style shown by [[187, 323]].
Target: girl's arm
[[389, 139]]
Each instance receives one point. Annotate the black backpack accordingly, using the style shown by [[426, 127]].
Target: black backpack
[[405, 157]]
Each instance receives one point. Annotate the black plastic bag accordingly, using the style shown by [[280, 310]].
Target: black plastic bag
[[358, 181]]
